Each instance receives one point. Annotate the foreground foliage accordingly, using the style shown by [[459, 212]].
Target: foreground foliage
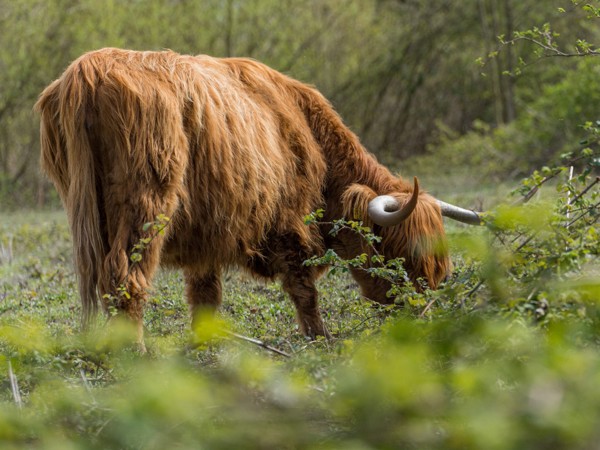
[[472, 382]]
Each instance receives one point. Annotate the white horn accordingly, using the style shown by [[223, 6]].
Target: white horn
[[385, 210], [459, 214]]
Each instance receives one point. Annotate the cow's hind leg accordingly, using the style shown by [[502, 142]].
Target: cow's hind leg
[[141, 152], [132, 260]]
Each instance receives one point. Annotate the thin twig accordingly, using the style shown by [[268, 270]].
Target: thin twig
[[554, 51], [524, 199], [343, 226], [427, 307], [475, 289], [585, 191], [534, 189], [367, 319], [526, 241], [14, 385], [520, 234], [159, 229], [86, 384], [259, 343], [583, 214]]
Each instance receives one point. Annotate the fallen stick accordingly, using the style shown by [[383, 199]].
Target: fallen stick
[[14, 385], [259, 343]]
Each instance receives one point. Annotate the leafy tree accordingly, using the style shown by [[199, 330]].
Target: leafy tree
[[398, 71]]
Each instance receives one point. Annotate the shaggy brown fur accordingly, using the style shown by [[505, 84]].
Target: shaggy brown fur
[[236, 154]]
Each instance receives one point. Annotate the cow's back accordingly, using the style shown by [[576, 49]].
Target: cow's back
[[224, 139], [254, 168]]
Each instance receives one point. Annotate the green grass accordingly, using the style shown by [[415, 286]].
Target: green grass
[[37, 281]]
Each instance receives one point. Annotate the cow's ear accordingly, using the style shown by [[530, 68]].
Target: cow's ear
[[355, 201]]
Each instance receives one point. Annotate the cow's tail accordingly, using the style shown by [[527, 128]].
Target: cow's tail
[[68, 159]]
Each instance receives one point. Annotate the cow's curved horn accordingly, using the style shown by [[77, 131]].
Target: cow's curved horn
[[459, 214], [384, 210]]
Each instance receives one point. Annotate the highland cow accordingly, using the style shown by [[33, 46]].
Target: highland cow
[[236, 154]]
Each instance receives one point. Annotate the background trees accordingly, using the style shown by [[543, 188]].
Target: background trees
[[504, 356], [408, 76]]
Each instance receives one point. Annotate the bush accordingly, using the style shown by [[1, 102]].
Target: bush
[[469, 382]]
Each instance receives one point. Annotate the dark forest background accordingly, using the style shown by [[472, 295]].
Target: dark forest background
[[493, 104], [427, 80]]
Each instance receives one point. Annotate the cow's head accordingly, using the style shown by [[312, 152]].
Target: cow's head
[[411, 227]]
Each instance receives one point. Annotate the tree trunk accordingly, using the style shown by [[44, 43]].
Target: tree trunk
[[508, 80]]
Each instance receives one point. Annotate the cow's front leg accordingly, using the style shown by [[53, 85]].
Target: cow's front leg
[[300, 286], [203, 291]]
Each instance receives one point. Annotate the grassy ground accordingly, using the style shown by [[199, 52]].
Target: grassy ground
[[37, 282]]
